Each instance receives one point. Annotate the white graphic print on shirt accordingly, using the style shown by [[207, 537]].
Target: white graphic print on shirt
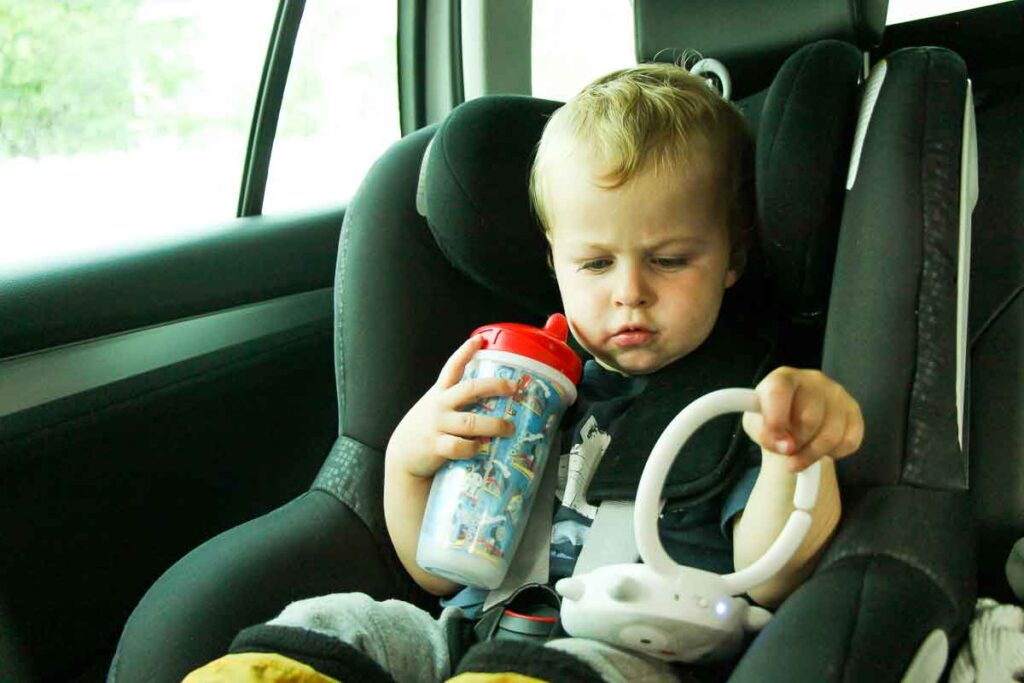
[[576, 468]]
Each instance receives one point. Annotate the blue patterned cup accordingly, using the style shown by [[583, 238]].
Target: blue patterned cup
[[478, 508]]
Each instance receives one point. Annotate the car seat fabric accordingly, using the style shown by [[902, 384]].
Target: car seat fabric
[[997, 331], [474, 195], [896, 585], [802, 160]]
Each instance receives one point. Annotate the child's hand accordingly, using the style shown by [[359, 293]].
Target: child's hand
[[435, 431], [805, 415]]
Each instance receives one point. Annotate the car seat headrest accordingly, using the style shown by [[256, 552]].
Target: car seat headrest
[[474, 192], [804, 140], [475, 177], [752, 37]]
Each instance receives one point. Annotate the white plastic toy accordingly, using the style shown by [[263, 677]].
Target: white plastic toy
[[661, 608]]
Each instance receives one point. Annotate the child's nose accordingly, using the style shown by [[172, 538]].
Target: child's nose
[[631, 289]]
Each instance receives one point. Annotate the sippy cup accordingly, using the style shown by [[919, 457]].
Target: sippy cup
[[478, 508]]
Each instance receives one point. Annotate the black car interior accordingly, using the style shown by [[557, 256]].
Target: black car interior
[[870, 265]]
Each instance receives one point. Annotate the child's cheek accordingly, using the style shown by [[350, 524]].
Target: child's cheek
[[581, 337]]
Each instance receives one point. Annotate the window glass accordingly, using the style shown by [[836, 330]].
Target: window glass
[[122, 121], [911, 10], [340, 106], [575, 41]]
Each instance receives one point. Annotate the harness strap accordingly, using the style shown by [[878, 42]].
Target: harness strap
[[530, 564], [614, 541]]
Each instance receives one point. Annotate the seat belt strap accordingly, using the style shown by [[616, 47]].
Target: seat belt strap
[[530, 564], [610, 539]]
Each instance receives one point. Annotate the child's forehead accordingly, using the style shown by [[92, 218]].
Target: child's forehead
[[598, 168], [646, 213]]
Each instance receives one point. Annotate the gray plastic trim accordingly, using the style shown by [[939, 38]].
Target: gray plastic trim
[[930, 660], [440, 87], [968, 200], [41, 377], [867, 107], [497, 47]]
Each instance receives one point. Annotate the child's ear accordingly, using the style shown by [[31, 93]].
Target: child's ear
[[731, 277], [550, 253], [737, 262]]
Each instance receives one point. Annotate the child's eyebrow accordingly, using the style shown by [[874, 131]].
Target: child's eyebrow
[[692, 240]]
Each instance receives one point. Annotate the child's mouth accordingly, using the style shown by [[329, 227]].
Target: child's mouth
[[628, 338]]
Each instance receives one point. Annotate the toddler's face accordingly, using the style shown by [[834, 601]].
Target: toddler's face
[[642, 268]]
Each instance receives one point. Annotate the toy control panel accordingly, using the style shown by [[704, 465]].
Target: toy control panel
[[661, 608]]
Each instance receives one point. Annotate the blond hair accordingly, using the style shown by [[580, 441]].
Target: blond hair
[[654, 116]]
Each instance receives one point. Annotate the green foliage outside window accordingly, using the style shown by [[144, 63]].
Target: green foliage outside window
[[89, 75]]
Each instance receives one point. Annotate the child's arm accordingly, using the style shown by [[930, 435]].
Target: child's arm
[[805, 417], [767, 512], [431, 433]]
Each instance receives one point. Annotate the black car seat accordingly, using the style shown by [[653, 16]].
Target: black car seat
[[895, 589], [997, 306], [408, 290]]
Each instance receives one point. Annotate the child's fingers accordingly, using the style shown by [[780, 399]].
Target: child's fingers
[[776, 394], [807, 416], [853, 436], [476, 389], [456, 364], [798, 463], [468, 424], [455, 447], [825, 442]]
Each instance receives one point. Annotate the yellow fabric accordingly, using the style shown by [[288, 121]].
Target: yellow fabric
[[504, 677], [257, 667]]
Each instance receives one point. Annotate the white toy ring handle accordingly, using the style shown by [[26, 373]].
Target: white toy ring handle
[[652, 481]]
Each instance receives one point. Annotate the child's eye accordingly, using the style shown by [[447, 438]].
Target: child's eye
[[596, 264], [670, 261]]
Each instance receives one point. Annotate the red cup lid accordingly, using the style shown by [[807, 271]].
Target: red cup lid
[[546, 345]]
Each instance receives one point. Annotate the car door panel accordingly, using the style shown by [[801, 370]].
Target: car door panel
[[198, 395]]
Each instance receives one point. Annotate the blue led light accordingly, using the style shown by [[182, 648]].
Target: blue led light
[[721, 608]]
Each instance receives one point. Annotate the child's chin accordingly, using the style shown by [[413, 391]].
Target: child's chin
[[639, 364]]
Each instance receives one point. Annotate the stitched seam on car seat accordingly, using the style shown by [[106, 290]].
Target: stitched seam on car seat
[[348, 474], [339, 310], [907, 466], [927, 413], [911, 394], [367, 478], [998, 313], [845, 659], [378, 537], [904, 559]]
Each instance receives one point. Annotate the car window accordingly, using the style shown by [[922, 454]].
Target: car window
[[901, 11], [122, 121], [575, 41], [340, 106], [126, 122]]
